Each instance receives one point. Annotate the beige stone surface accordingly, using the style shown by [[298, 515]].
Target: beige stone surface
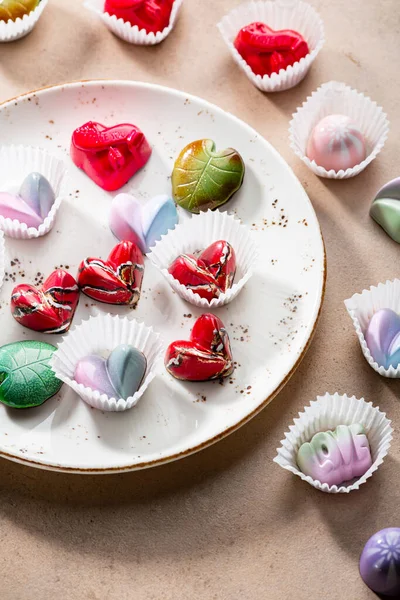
[[226, 523]]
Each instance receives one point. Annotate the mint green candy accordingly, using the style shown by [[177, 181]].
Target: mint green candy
[[385, 209]]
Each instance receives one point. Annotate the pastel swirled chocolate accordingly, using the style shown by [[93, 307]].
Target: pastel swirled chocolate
[[11, 10], [383, 337], [142, 224], [334, 457], [380, 562], [32, 204], [203, 178], [385, 208]]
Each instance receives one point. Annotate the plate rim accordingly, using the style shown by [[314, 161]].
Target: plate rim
[[275, 392]]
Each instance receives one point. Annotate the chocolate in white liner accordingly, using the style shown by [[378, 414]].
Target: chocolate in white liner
[[326, 413], [131, 33], [14, 30]]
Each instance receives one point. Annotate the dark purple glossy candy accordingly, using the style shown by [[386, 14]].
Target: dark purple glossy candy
[[380, 562]]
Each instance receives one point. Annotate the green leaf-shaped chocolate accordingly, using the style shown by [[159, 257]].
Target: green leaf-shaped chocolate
[[26, 378], [203, 179]]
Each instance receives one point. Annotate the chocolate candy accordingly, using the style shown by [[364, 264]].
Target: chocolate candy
[[32, 204], [383, 338], [204, 179], [380, 562], [336, 143], [120, 376], [385, 209], [142, 224], [334, 457], [109, 155], [26, 378], [206, 356], [16, 9], [208, 275], [117, 280], [49, 308], [267, 51], [150, 15]]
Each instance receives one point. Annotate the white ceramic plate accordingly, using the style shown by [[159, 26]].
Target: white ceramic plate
[[270, 323]]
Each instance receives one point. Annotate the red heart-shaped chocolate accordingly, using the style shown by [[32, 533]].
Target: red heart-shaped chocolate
[[51, 307], [151, 15], [117, 280], [208, 275], [206, 356], [267, 51]]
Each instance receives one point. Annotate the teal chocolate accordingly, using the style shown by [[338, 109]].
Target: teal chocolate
[[26, 377], [385, 209]]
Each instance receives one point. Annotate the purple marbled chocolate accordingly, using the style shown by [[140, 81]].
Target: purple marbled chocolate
[[383, 338], [380, 562]]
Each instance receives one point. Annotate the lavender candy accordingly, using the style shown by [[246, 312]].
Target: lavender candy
[[380, 562]]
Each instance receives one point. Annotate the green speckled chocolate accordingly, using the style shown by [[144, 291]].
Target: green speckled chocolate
[[385, 208], [26, 378], [203, 179]]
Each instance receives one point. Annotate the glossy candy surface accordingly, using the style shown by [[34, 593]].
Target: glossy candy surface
[[16, 9], [334, 457], [109, 155], [207, 355], [49, 308], [117, 280], [32, 204], [26, 378], [120, 376], [383, 338], [204, 179], [151, 15], [211, 273], [267, 51], [336, 143], [142, 224], [380, 562], [385, 209]]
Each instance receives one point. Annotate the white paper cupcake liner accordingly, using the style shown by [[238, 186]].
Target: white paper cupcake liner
[[16, 162], [195, 235], [362, 306], [101, 334], [14, 30], [2, 258], [280, 14], [129, 33], [338, 98], [326, 413]]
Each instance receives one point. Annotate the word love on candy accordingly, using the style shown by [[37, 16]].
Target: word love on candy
[[150, 15], [380, 562], [208, 275], [26, 378], [109, 155], [117, 280], [16, 9], [32, 204], [207, 355], [334, 457], [267, 51], [49, 308], [204, 179], [383, 338], [120, 376], [385, 209], [142, 224]]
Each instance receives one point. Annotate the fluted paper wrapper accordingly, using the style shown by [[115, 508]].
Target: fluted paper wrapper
[[196, 234], [326, 413], [337, 98], [361, 308], [14, 30], [280, 14], [101, 334], [131, 33], [2, 258], [16, 162]]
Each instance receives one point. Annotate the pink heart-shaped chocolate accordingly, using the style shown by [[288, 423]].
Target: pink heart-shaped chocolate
[[32, 204]]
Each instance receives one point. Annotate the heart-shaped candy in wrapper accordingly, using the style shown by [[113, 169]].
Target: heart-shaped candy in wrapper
[[33, 185], [208, 259], [49, 308], [142, 224], [376, 318], [385, 209], [207, 355], [117, 280], [19, 17], [109, 361]]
